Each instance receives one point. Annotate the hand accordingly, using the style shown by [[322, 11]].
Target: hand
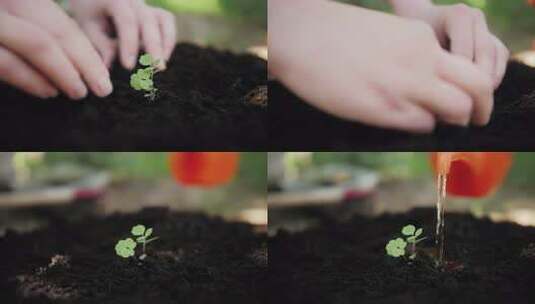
[[43, 50], [372, 67], [464, 31], [133, 21]]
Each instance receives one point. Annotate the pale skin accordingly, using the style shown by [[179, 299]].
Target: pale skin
[[44, 52], [463, 31], [381, 69]]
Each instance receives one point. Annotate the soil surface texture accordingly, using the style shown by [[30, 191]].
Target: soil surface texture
[[294, 125], [347, 263], [207, 100], [196, 260]]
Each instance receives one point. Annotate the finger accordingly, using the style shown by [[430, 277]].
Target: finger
[[85, 58], [470, 79], [502, 58], [409, 117], [484, 52], [461, 34], [104, 44], [125, 21], [150, 32], [446, 101], [357, 100], [74, 43], [19, 74], [50, 60], [168, 32], [401, 113]]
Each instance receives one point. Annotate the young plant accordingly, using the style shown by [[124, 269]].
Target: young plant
[[126, 248], [397, 247], [143, 79]]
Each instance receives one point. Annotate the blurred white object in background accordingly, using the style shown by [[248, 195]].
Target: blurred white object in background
[[326, 184]]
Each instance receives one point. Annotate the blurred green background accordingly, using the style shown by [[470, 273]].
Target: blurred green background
[[149, 165], [253, 12], [406, 181], [140, 179], [416, 165], [230, 24], [511, 20]]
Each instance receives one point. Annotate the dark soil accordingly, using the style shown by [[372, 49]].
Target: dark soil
[[196, 260], [208, 100], [347, 263], [294, 125]]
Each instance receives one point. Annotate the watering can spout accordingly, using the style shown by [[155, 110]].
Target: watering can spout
[[472, 174], [204, 169]]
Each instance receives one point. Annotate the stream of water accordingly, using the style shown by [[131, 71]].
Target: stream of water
[[439, 232]]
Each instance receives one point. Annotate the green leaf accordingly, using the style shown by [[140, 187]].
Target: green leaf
[[134, 82], [144, 74], [146, 84], [138, 230], [408, 230], [148, 232], [411, 239], [125, 248], [146, 60], [418, 232], [396, 248], [141, 239]]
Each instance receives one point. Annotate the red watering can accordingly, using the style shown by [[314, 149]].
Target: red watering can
[[204, 169], [472, 174]]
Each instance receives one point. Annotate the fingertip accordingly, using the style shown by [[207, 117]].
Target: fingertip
[[51, 93], [105, 87], [162, 65], [483, 119], [425, 125], [132, 61], [419, 122], [78, 92], [129, 61]]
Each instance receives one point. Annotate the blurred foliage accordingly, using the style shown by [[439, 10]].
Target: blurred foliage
[[512, 20], [417, 165], [523, 170], [251, 11], [152, 165]]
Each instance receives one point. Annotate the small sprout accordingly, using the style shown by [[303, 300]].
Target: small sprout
[[396, 247], [126, 248], [143, 79]]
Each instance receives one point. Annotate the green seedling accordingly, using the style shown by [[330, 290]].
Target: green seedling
[[143, 78], [127, 248], [397, 247]]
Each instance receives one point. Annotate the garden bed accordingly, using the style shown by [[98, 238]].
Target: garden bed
[[347, 263], [297, 126], [196, 260], [208, 100]]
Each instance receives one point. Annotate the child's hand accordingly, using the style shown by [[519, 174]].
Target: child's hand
[[43, 50], [464, 31], [372, 67], [135, 24]]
